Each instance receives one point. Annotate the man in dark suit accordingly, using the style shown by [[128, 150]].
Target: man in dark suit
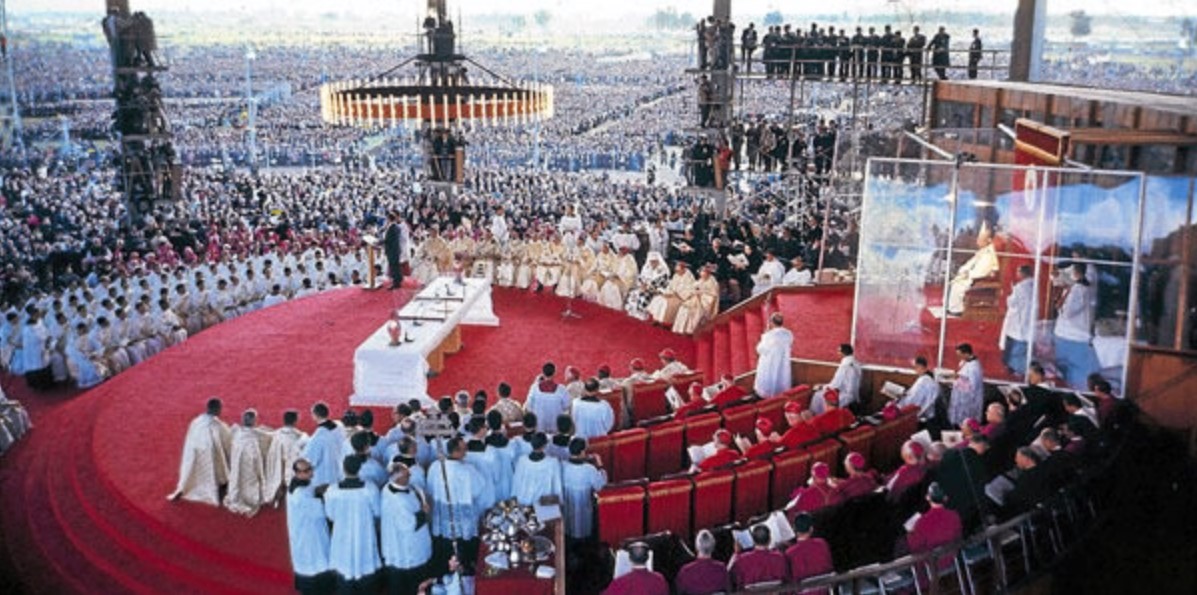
[[394, 243]]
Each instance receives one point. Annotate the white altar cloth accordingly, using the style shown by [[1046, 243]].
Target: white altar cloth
[[387, 376]]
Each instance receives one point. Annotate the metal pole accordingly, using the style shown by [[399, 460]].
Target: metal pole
[[793, 82], [954, 192]]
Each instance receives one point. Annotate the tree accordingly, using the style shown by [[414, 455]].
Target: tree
[[542, 18], [773, 17], [1082, 24]]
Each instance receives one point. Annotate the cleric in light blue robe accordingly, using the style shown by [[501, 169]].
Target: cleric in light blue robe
[[324, 449], [580, 479], [406, 453], [537, 475], [406, 541], [592, 415], [522, 446], [307, 529], [464, 497], [353, 506], [372, 471], [504, 450], [968, 389], [483, 460], [547, 399]]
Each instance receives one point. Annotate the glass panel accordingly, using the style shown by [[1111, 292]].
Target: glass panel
[[1163, 242], [1090, 224], [904, 231]]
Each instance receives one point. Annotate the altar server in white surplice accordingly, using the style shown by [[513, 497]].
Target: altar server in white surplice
[[580, 479], [968, 387], [773, 358], [286, 447], [325, 449], [482, 458], [307, 528], [505, 454], [547, 399], [205, 465], [406, 541], [924, 393], [353, 506], [846, 381], [592, 416], [465, 494], [248, 490], [537, 475]]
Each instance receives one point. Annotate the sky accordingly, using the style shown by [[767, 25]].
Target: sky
[[581, 7]]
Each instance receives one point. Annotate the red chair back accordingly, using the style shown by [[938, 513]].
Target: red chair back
[[790, 470], [669, 506], [648, 400], [665, 445], [601, 446], [826, 451], [712, 498], [620, 512], [629, 454], [614, 397], [801, 393], [752, 490], [772, 409], [740, 420], [859, 439], [681, 383], [700, 428], [888, 438]]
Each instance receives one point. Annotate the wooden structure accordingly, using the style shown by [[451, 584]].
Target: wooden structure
[[1109, 129]]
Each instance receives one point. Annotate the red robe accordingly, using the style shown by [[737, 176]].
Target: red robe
[[833, 420], [813, 497], [722, 458], [809, 557], [855, 486], [906, 477], [800, 434], [758, 566], [938, 526], [639, 581]]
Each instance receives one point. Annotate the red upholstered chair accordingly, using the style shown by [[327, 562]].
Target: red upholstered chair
[[669, 506], [712, 498], [620, 512], [859, 439], [614, 397], [772, 409], [700, 428], [648, 400], [681, 383], [888, 438], [601, 446], [629, 454], [740, 420], [752, 489], [665, 445], [790, 470], [826, 451], [801, 393]]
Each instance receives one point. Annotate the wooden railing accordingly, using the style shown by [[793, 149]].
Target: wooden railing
[[756, 300]]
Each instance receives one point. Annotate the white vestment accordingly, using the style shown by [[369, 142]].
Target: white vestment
[[248, 490], [536, 478], [846, 381], [285, 448], [579, 482], [968, 393], [982, 264], [324, 452], [592, 418], [922, 394], [463, 497], [205, 464], [307, 528], [547, 405], [353, 552], [1020, 313], [773, 362], [406, 542]]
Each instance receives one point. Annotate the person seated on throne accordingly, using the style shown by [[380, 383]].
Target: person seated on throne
[[983, 263]]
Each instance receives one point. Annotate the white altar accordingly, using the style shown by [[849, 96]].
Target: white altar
[[385, 375]]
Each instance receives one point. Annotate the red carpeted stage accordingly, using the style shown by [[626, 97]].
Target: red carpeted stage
[[83, 496]]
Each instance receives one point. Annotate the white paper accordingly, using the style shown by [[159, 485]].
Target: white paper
[[623, 563], [893, 390], [911, 521], [951, 438]]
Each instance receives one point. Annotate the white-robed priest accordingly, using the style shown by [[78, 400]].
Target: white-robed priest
[[307, 529], [773, 358], [205, 465]]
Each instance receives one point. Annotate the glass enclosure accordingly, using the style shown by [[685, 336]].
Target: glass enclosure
[[1023, 264]]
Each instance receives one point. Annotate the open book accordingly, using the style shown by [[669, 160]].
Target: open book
[[951, 439], [699, 452], [779, 531], [675, 399], [893, 390], [910, 522]]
